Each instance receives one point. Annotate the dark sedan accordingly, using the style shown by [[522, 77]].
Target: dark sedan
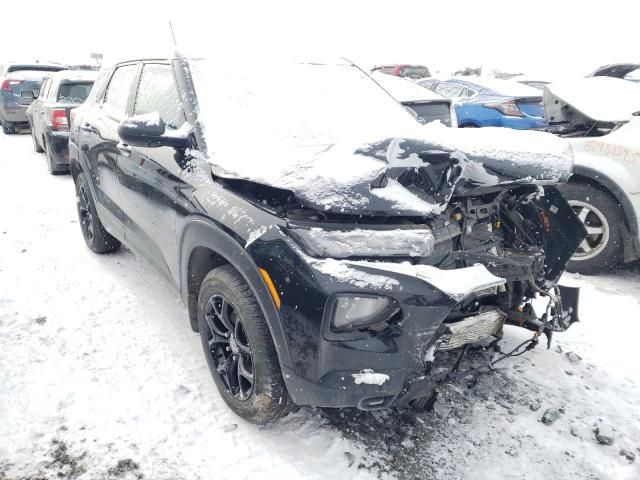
[[49, 114]]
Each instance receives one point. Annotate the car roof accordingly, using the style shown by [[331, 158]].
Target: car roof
[[34, 66], [404, 90], [496, 86]]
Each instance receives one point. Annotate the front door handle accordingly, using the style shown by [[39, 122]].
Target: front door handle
[[125, 149], [86, 127]]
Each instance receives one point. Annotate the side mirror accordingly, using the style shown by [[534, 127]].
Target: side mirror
[[27, 94], [150, 131]]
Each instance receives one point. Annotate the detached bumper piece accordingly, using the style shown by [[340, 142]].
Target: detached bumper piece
[[472, 329], [569, 297]]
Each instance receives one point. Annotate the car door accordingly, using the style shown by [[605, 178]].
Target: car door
[[100, 143], [150, 176]]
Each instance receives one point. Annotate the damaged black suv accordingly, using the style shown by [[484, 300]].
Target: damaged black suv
[[330, 249]]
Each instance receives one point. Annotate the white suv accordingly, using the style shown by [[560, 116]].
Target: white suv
[[599, 117]]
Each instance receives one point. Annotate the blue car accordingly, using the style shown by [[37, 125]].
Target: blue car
[[490, 102]]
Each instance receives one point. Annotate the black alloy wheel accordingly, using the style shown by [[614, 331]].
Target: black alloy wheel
[[85, 212], [229, 347]]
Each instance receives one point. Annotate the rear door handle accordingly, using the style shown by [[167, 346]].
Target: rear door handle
[[125, 149]]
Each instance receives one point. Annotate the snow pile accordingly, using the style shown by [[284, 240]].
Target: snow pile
[[416, 242], [457, 283], [342, 272], [369, 377]]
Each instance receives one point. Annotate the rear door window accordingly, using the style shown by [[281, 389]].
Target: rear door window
[[44, 89], [157, 92], [449, 90], [117, 94], [74, 92]]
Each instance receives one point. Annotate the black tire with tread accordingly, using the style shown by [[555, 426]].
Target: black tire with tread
[[269, 399], [8, 128], [612, 254], [102, 241]]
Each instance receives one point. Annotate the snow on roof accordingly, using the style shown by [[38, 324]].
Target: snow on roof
[[404, 90], [605, 99], [503, 87]]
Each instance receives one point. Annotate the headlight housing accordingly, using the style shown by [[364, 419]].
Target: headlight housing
[[360, 242], [357, 311]]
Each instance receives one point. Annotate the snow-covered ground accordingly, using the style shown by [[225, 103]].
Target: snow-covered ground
[[102, 378]]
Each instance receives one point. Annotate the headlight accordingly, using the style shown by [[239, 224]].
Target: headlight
[[397, 242], [351, 312]]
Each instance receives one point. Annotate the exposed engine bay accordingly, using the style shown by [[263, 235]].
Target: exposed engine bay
[[520, 235]]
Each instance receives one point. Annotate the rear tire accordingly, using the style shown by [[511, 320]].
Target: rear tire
[[8, 128], [95, 236], [603, 248], [239, 349]]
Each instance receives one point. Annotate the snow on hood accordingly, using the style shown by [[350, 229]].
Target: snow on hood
[[327, 132], [603, 99]]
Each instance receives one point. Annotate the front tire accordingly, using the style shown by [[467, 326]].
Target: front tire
[[603, 247], [239, 349], [95, 236]]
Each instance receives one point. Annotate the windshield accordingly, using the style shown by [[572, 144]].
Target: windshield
[[302, 105], [74, 92], [414, 71]]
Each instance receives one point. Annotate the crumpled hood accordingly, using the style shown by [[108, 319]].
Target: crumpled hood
[[409, 176]]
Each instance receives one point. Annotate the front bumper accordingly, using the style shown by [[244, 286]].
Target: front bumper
[[323, 368]]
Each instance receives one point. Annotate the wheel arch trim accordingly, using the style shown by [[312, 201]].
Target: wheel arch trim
[[615, 190], [201, 232]]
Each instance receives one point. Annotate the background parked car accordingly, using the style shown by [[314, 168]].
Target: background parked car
[[428, 106], [490, 102], [403, 70], [49, 114], [596, 115], [531, 81], [19, 86], [628, 71]]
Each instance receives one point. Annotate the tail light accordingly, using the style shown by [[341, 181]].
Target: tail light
[[59, 120], [7, 84], [507, 108]]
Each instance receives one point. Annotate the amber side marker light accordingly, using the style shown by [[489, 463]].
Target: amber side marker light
[[271, 287]]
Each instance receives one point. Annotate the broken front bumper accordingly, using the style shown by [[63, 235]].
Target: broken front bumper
[[326, 364]]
